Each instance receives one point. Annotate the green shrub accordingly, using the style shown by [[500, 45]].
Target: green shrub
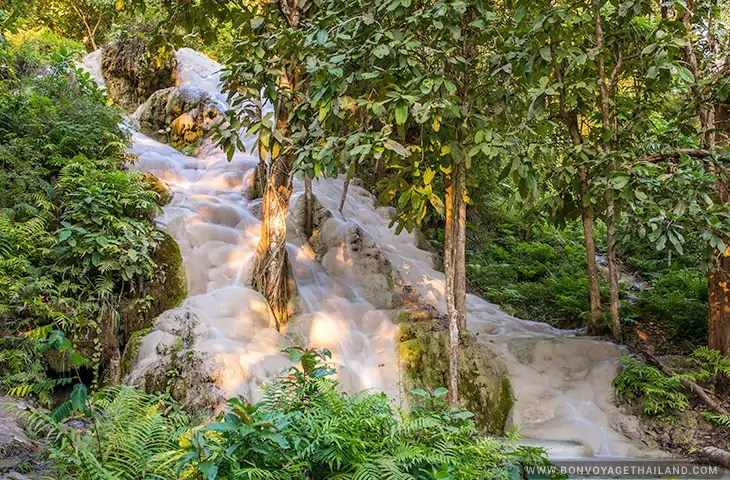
[[120, 433], [305, 428], [76, 227], [30, 50]]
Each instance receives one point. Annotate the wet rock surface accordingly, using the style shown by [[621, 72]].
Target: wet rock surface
[[180, 115]]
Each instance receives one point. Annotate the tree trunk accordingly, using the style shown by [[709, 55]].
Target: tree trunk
[[449, 275], [594, 286], [719, 305], [272, 273], [260, 174], [612, 268], [259, 179], [455, 270], [459, 247], [716, 456], [348, 179], [308, 207]]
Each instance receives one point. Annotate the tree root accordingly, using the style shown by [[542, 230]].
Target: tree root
[[716, 456]]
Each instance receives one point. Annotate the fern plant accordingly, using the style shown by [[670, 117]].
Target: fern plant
[[306, 428], [119, 434], [658, 393], [661, 394]]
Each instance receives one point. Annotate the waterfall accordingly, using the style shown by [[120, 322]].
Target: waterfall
[[562, 383]]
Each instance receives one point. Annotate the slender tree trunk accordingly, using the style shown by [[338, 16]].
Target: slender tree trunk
[[89, 32], [612, 268], [455, 270], [260, 173], [594, 286], [610, 195], [717, 284], [586, 214], [459, 247], [449, 276], [308, 207], [350, 175]]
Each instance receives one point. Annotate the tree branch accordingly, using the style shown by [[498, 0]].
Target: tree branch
[[690, 152]]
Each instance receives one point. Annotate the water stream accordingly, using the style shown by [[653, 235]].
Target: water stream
[[562, 383]]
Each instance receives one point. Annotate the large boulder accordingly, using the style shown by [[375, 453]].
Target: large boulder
[[131, 75], [179, 115], [166, 290], [15, 446], [423, 349], [170, 361]]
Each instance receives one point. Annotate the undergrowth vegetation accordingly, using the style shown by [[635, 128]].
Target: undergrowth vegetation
[[303, 428], [536, 271], [659, 394], [76, 229]]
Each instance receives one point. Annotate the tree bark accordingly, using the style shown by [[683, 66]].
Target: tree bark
[[459, 247], [612, 268], [716, 456], [272, 273], [570, 118], [346, 186], [308, 207], [594, 286], [455, 269], [610, 195], [719, 305], [449, 276]]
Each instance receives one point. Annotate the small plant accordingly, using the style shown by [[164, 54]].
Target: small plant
[[664, 395], [120, 433], [658, 393]]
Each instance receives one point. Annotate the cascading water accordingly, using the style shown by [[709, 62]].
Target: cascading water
[[562, 384]]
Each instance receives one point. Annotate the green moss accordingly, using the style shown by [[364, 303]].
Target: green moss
[[166, 290], [131, 350], [484, 388]]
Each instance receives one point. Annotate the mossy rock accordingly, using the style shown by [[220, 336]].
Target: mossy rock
[[159, 187], [131, 74], [484, 387], [131, 350], [166, 290]]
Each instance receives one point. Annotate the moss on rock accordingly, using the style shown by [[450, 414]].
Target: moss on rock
[[159, 187], [166, 290], [131, 350], [131, 74], [484, 387]]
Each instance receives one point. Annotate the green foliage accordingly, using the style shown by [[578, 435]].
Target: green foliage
[[663, 395], [717, 418], [659, 394], [31, 50], [305, 428], [76, 229], [120, 433]]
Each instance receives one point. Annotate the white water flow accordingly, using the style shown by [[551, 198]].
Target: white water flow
[[562, 384]]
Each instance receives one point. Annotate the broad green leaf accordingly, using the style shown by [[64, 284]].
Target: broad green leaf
[[401, 113]]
